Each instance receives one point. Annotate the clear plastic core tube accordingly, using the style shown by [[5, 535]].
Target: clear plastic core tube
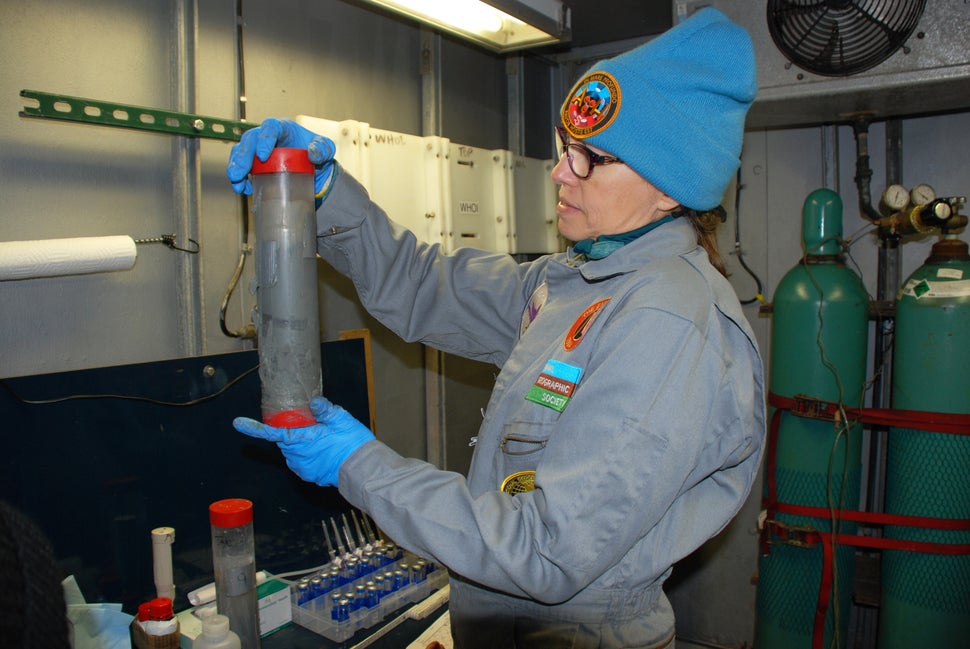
[[234, 567], [288, 318]]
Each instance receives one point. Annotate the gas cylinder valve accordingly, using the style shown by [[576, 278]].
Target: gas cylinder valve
[[938, 213]]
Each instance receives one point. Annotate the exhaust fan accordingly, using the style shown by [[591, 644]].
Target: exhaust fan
[[832, 61], [841, 37]]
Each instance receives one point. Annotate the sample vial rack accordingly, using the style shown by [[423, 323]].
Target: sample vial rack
[[356, 593]]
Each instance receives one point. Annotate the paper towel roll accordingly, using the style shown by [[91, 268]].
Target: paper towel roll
[[76, 256]]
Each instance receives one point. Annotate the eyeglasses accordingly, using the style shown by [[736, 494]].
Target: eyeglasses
[[581, 158]]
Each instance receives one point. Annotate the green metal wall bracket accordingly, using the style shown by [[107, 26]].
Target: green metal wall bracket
[[91, 111]]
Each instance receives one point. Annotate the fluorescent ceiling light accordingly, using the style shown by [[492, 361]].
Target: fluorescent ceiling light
[[500, 25]]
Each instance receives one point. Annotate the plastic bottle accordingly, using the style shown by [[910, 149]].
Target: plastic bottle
[[216, 634], [162, 540], [156, 626], [234, 565]]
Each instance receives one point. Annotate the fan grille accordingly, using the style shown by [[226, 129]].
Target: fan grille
[[841, 37]]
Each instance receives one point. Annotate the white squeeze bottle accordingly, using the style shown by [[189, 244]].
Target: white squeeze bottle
[[216, 634]]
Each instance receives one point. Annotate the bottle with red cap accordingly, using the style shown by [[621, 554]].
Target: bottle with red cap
[[161, 618], [234, 565], [155, 626]]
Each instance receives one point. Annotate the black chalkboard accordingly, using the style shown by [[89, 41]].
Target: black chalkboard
[[97, 474]]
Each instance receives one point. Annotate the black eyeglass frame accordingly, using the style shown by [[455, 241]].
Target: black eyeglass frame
[[594, 158]]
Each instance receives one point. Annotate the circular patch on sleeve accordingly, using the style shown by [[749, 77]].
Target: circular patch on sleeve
[[592, 105]]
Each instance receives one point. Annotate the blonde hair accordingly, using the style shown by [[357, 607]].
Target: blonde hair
[[705, 225]]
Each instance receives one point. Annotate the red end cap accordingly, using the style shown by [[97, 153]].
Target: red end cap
[[282, 159], [295, 418], [160, 608], [144, 611], [231, 512]]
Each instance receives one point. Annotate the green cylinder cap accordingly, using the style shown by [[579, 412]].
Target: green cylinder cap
[[822, 223]]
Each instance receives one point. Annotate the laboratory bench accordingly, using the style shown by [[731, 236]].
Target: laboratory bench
[[401, 636]]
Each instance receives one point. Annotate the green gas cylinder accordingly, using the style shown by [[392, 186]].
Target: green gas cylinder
[[926, 597], [819, 341]]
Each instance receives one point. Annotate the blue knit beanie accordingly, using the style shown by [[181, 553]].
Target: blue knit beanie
[[672, 109]]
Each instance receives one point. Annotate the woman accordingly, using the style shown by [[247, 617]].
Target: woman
[[625, 427]]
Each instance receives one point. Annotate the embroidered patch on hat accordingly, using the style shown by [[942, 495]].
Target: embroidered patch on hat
[[582, 325], [592, 105]]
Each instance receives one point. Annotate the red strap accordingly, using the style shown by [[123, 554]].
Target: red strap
[[874, 518], [824, 594], [807, 537], [940, 422]]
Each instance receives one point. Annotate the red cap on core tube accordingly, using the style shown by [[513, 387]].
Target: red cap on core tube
[[284, 159], [231, 512]]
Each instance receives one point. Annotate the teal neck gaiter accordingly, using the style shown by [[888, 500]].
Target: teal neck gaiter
[[602, 246]]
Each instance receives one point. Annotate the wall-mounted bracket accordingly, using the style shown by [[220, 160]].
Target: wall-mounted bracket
[[92, 111]]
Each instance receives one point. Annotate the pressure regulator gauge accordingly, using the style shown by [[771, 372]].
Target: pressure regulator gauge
[[922, 194], [895, 197]]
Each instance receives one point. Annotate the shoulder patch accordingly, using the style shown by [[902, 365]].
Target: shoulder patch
[[582, 325]]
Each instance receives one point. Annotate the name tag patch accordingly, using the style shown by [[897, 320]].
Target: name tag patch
[[555, 385]]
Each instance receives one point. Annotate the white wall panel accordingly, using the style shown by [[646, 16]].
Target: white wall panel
[[480, 198], [535, 198]]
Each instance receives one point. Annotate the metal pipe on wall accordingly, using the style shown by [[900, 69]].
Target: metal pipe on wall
[[434, 360], [515, 76], [830, 157], [187, 180]]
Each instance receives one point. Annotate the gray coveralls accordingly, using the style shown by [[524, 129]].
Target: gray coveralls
[[652, 452]]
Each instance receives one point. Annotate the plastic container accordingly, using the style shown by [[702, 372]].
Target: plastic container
[[287, 318], [234, 565], [162, 540], [155, 626], [342, 602], [216, 634]]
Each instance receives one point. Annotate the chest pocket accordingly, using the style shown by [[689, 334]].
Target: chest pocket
[[522, 446]]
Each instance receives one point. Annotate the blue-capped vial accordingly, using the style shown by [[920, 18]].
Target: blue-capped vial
[[420, 571], [342, 610], [334, 605], [346, 574], [373, 598], [349, 596], [378, 558], [316, 587], [302, 594]]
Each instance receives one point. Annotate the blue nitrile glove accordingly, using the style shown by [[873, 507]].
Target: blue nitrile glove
[[316, 452], [272, 133]]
